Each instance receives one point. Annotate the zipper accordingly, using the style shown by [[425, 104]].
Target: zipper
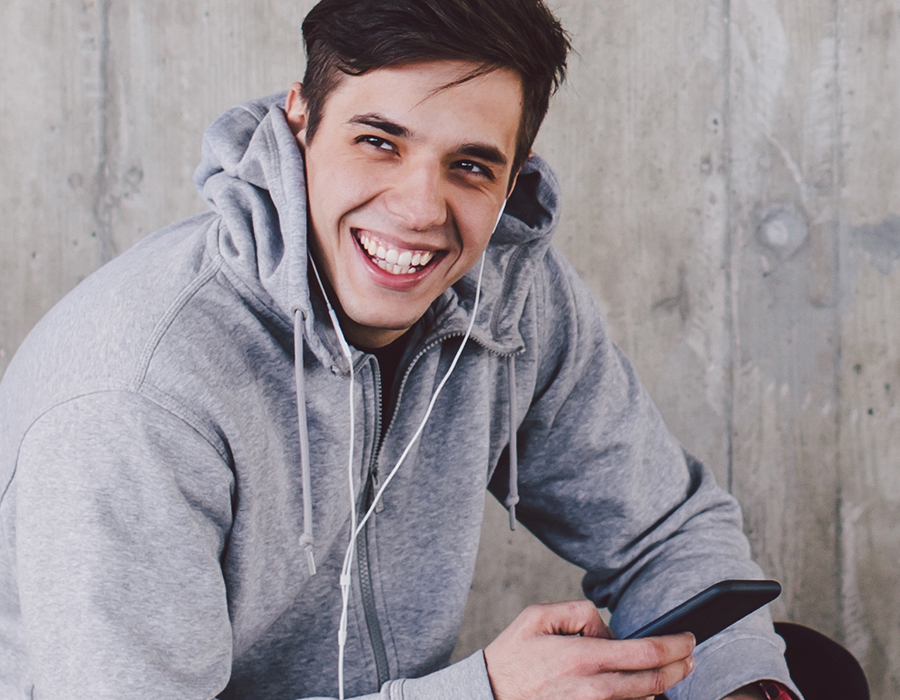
[[375, 488], [368, 595], [436, 341], [412, 363], [367, 586]]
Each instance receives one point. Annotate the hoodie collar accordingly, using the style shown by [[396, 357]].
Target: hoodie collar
[[252, 174]]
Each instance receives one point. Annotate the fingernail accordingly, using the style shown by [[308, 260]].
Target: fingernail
[[690, 663]]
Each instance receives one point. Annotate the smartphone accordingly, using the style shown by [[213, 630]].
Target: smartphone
[[711, 611]]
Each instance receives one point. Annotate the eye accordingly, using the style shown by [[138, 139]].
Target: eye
[[470, 166], [377, 142]]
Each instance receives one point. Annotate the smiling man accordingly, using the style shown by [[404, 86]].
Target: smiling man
[[247, 459], [424, 156]]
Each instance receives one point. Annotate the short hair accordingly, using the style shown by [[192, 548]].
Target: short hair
[[356, 36]]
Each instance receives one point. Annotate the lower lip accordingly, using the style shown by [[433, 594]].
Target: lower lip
[[386, 279]]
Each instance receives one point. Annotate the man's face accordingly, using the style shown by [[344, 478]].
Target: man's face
[[406, 179]]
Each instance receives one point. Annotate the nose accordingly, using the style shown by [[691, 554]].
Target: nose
[[417, 196]]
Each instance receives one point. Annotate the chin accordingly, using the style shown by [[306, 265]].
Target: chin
[[383, 311], [381, 324]]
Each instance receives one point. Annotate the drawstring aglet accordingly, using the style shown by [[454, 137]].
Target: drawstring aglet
[[511, 507], [306, 543], [311, 561]]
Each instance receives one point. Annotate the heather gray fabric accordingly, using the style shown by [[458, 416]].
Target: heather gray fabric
[[149, 464]]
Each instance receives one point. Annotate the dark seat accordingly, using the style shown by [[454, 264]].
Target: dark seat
[[821, 668]]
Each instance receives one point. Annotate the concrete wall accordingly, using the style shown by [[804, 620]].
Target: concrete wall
[[731, 196]]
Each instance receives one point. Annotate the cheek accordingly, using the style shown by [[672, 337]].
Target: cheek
[[475, 231], [326, 164], [358, 185], [327, 204]]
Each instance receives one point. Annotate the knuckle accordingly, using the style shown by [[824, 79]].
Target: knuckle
[[584, 605], [533, 612], [670, 675], [660, 682], [571, 608], [537, 617], [582, 664], [655, 653]]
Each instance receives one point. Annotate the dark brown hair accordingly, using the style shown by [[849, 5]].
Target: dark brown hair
[[356, 36]]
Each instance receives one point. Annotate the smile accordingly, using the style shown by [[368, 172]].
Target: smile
[[394, 261]]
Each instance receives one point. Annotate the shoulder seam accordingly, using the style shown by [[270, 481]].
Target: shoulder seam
[[159, 400], [168, 317], [189, 418]]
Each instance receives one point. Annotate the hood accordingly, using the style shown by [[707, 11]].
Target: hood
[[252, 174]]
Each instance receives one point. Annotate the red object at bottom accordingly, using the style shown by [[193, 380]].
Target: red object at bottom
[[775, 691]]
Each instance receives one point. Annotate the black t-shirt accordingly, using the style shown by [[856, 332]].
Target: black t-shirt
[[388, 362]]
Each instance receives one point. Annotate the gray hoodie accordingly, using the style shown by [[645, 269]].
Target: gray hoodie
[[157, 508]]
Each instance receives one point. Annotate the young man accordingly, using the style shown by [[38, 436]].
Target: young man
[[192, 443]]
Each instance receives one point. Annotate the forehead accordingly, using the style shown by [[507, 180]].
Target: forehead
[[434, 100]]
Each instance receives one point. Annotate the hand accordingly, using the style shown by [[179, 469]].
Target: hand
[[565, 651]]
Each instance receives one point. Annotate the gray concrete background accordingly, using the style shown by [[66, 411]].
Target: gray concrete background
[[730, 170]]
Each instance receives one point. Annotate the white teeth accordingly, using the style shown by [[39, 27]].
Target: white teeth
[[392, 260]]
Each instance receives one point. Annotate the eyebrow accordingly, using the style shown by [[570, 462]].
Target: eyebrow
[[481, 151], [376, 121]]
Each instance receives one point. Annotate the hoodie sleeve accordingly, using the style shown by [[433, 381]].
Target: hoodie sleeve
[[604, 484], [109, 538], [123, 514]]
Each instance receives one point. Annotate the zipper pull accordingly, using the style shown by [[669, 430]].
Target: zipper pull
[[379, 506]]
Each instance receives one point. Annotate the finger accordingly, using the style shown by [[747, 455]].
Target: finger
[[605, 655], [642, 684], [599, 629], [569, 617]]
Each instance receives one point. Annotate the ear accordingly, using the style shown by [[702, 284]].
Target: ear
[[295, 110]]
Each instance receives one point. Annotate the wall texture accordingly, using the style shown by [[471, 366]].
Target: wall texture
[[731, 174]]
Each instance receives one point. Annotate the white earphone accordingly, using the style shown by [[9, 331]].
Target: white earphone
[[356, 527]]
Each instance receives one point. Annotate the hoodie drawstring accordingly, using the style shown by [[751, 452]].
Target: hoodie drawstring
[[513, 496], [306, 539]]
